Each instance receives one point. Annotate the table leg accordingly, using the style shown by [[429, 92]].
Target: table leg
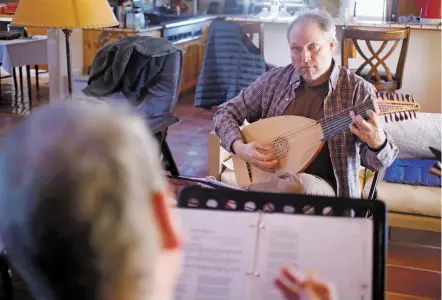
[[36, 78], [20, 73], [28, 78], [15, 80]]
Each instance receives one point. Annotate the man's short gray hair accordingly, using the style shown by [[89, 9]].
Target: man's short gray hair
[[319, 16], [76, 215]]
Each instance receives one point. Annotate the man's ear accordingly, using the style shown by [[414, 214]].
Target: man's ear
[[161, 211], [332, 46]]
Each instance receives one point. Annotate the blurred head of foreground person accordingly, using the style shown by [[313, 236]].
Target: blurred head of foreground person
[[83, 212]]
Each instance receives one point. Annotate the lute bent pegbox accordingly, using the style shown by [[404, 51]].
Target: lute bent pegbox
[[296, 141]]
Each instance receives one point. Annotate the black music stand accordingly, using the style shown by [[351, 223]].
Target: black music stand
[[340, 207]]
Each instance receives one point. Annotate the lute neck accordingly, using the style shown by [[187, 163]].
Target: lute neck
[[340, 122]]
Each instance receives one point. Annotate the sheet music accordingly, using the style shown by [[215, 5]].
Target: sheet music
[[338, 249], [219, 249]]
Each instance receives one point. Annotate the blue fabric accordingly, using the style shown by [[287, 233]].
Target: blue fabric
[[412, 171], [228, 66]]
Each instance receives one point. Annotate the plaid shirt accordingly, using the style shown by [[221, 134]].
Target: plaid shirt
[[273, 91]]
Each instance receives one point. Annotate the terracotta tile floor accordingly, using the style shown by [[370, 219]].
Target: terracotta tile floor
[[413, 272]]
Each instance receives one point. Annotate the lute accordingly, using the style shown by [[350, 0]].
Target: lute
[[296, 141]]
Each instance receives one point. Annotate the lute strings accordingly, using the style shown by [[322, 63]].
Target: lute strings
[[343, 119], [290, 135]]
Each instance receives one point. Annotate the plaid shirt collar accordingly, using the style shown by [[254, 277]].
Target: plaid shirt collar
[[333, 78]]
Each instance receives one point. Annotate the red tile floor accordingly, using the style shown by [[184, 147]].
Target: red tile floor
[[413, 270], [188, 139]]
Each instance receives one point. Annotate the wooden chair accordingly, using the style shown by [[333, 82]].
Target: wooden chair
[[251, 29], [383, 80], [159, 104]]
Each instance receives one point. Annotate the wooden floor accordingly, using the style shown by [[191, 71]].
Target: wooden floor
[[414, 258]]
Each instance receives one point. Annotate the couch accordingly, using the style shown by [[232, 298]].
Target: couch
[[409, 206]]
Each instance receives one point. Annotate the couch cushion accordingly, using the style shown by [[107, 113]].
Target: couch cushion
[[412, 171], [410, 199]]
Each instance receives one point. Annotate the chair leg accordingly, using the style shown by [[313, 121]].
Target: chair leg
[[6, 279], [173, 169], [169, 162], [372, 195], [20, 73], [28, 79]]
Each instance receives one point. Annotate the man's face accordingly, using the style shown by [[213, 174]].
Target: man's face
[[311, 51]]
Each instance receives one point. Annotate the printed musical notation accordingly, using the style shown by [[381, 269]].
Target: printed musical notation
[[238, 255], [286, 242], [217, 256], [212, 260]]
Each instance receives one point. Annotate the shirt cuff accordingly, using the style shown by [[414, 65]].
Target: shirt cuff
[[231, 136], [383, 154], [380, 148]]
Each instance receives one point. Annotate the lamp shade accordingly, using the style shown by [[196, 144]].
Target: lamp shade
[[64, 14]]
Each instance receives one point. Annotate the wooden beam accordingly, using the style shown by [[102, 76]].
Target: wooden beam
[[414, 222]]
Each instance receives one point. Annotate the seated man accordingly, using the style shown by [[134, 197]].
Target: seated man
[[83, 212], [313, 86]]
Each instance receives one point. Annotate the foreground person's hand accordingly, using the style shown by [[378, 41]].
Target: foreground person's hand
[[256, 154], [293, 288]]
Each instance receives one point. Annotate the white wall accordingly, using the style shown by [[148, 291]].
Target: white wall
[[77, 51], [422, 74], [57, 64]]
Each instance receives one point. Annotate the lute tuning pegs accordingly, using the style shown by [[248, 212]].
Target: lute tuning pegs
[[407, 97], [414, 112]]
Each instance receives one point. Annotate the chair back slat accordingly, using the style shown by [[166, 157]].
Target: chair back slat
[[375, 60], [377, 34]]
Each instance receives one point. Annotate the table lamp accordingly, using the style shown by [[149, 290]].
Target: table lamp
[[66, 15]]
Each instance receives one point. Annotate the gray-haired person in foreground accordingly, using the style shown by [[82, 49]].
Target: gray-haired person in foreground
[[312, 86], [83, 210]]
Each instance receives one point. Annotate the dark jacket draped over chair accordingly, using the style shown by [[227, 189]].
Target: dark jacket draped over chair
[[144, 70], [228, 65]]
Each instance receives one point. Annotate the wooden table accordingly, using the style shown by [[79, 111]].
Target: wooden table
[[23, 52]]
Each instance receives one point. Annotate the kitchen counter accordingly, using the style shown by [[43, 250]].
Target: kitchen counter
[[190, 20], [338, 22], [127, 30]]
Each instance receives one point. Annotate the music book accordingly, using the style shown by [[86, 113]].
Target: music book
[[236, 243]]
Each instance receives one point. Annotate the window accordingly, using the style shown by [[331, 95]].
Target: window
[[370, 10]]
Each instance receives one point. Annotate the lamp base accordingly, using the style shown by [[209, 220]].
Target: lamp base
[[67, 33]]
